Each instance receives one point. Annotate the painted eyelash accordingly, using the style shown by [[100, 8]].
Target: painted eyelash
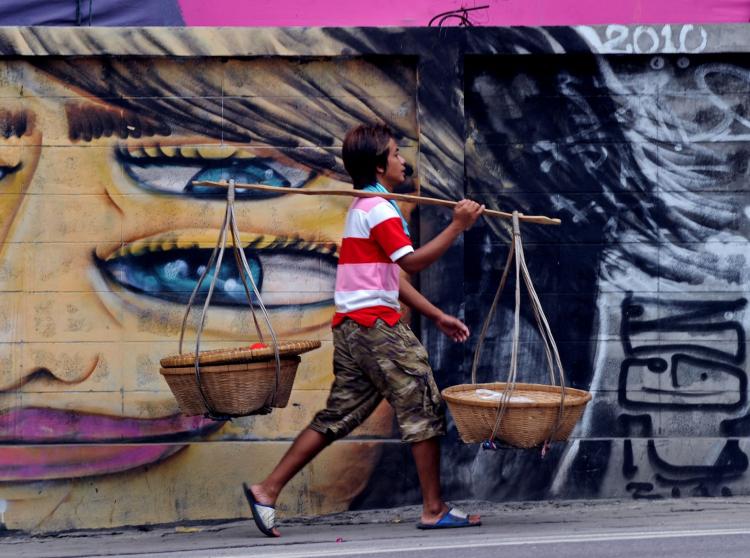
[[87, 121], [16, 123], [156, 153], [262, 242], [268, 242]]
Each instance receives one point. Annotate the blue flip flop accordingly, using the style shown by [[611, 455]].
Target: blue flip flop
[[452, 519], [264, 516]]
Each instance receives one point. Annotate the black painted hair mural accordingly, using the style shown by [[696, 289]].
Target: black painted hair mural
[[644, 157]]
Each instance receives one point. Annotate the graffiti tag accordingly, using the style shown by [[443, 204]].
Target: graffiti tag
[[645, 39]]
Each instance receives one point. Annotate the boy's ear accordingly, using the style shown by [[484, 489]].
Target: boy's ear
[[379, 169]]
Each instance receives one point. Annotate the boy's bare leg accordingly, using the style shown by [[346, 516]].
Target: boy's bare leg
[[427, 458], [305, 447]]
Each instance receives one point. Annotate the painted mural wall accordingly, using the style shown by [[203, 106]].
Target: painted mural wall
[[636, 137]]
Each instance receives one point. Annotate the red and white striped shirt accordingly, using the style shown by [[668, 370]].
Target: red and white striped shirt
[[367, 276]]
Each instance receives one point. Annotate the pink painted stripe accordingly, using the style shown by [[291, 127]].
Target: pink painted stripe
[[367, 277]]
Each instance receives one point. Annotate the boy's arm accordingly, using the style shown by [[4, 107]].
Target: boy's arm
[[465, 214], [452, 327]]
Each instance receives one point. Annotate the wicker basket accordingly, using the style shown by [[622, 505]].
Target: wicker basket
[[525, 424], [226, 383], [239, 355], [528, 415], [235, 382]]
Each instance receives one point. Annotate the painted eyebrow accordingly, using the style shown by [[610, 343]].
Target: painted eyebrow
[[88, 121], [16, 123]]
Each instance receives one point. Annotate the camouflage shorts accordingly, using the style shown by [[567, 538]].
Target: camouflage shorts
[[372, 363]]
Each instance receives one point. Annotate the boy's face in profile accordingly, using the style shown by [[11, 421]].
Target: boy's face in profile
[[395, 171]]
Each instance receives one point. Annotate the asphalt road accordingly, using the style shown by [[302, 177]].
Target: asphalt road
[[695, 528], [674, 544]]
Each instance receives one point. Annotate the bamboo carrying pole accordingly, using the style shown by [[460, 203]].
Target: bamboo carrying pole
[[538, 219]]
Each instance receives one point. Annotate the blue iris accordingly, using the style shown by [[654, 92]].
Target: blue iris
[[173, 275], [254, 171]]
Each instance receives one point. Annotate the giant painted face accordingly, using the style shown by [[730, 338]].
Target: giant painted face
[[104, 237]]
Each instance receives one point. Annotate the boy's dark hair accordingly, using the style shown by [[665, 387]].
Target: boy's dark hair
[[366, 148]]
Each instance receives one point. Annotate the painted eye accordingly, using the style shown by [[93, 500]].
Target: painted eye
[[175, 176], [290, 274]]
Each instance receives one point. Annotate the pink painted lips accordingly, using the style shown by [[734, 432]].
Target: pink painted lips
[[45, 444]]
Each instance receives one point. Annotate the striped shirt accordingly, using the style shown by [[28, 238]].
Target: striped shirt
[[367, 276]]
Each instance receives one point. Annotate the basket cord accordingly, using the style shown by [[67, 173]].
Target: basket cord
[[550, 347], [510, 384], [488, 320], [240, 255], [229, 224], [218, 250]]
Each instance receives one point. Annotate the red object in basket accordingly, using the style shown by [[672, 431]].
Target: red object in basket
[[258, 346]]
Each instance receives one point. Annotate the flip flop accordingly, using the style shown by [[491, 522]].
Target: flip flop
[[264, 516], [452, 519]]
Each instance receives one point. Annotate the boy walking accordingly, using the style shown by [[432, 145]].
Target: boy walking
[[376, 355]]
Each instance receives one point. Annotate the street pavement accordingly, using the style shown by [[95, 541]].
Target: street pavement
[[688, 528]]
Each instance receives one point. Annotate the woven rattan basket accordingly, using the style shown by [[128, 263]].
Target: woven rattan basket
[[232, 389], [239, 355], [519, 414], [225, 383], [526, 424], [235, 382]]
